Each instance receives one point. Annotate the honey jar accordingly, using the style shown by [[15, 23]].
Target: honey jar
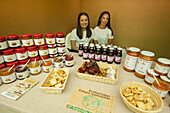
[[32, 51], [39, 39], [47, 65], [10, 64], [61, 48], [144, 62], [9, 55], [22, 72], [43, 50], [131, 59], [27, 40], [60, 38], [3, 43], [21, 53], [58, 63], [1, 58], [35, 68], [149, 78], [52, 49], [162, 66], [13, 41], [50, 38]]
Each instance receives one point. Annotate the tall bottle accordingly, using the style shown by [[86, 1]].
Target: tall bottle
[[85, 51], [81, 49], [115, 51], [110, 55], [98, 53], [118, 57], [91, 51], [104, 54]]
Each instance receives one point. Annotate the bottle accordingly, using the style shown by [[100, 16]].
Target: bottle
[[118, 56], [91, 51], [81, 49], [104, 54], [98, 53], [110, 56], [85, 51], [115, 51]]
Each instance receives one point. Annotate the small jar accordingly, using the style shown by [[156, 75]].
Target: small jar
[[60, 38], [23, 61], [50, 38], [165, 79], [1, 58], [162, 66], [39, 39], [43, 50], [21, 72], [91, 51], [37, 59], [149, 78], [27, 40], [52, 49], [98, 53], [7, 76], [63, 56], [81, 49], [131, 59], [10, 64], [110, 56], [104, 54], [35, 68], [13, 41], [61, 48], [9, 55], [2, 66], [86, 51], [58, 63], [47, 65], [144, 62], [3, 43], [69, 61], [32, 51], [118, 57], [21, 53]]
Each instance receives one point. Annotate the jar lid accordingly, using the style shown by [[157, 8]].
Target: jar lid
[[63, 54], [43, 46], [86, 44], [31, 47], [119, 48], [60, 45], [20, 49], [151, 71], [50, 35], [147, 53], [81, 42], [23, 61], [164, 61], [54, 45], [60, 35], [34, 49], [134, 49], [10, 64], [33, 59], [2, 38], [111, 48], [98, 46], [115, 46], [12, 37], [2, 65], [44, 57], [165, 78], [38, 35], [108, 45], [105, 47], [8, 51], [26, 36]]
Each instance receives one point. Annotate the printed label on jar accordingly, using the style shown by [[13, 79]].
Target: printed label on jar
[[1, 59], [58, 64], [32, 53], [22, 56], [60, 40], [81, 52], [8, 78], [50, 40], [39, 41], [43, 52], [69, 63], [130, 62], [91, 56], [104, 57], [47, 68], [3, 45], [14, 43], [61, 49], [85, 55], [118, 59], [97, 57], [162, 93], [28, 42], [35, 70], [110, 58], [149, 79], [161, 69], [9, 58], [22, 75], [142, 66], [52, 51]]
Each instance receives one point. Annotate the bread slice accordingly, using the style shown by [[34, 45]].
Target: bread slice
[[148, 106], [141, 105]]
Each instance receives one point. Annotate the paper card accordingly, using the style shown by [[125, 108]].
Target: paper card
[[85, 100], [19, 89]]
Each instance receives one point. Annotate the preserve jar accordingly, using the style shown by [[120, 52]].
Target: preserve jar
[[149, 78], [27, 40], [131, 59], [3, 43], [50, 38], [91, 51], [1, 58], [165, 79], [86, 51], [23, 61], [35, 68], [63, 56], [13, 41], [58, 63], [10, 64], [32, 51], [98, 53], [61, 48], [81, 49], [69, 61], [60, 38], [144, 62], [7, 76], [21, 53], [52, 49], [2, 66], [22, 72], [39, 39], [118, 57], [9, 55], [43, 50], [47, 65], [162, 66], [35, 59], [104, 54], [110, 56]]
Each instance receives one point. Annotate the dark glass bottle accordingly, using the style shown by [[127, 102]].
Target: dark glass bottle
[[91, 51], [110, 55], [81, 49], [98, 53], [118, 57], [115, 51], [85, 51], [104, 54]]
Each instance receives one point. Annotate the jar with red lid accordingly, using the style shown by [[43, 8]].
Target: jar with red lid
[[144, 62], [21, 53], [61, 48], [52, 49], [43, 50], [13, 41], [149, 78], [10, 64], [39, 39], [37, 59], [60, 38], [3, 43], [9, 55], [35, 67], [23, 61], [69, 60], [22, 72], [27, 40], [63, 56], [32, 51], [50, 38], [47, 64], [2, 66], [1, 58]]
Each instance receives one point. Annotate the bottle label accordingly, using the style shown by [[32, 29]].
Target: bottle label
[[32, 53], [97, 57], [22, 75], [61, 49], [142, 66], [43, 52], [58, 64], [1, 59], [69, 63], [130, 62], [22, 56], [161, 93], [28, 42], [47, 68], [161, 69], [39, 41], [8, 78], [52, 51], [149, 79], [35, 70], [118, 59], [14, 43], [110, 58], [91, 56], [50, 40], [60, 40], [10, 58], [85, 55], [3, 45], [81, 52], [104, 57]]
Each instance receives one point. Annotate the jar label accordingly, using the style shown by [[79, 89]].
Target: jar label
[[149, 79], [3, 45], [14, 43], [161, 93], [60, 40], [118, 59], [8, 78], [50, 40], [104, 57], [43, 52], [81, 52], [21, 56], [22, 75], [91, 56], [85, 55], [32, 53], [58, 64], [161, 69], [28, 42], [69, 63], [52, 51], [142, 66], [1, 59], [35, 70], [110, 58], [61, 49], [39, 41], [47, 68], [130, 62], [10, 58]]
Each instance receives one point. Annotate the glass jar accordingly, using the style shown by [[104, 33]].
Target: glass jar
[[165, 79], [27, 40], [23, 61], [1, 58], [50, 38], [39, 39], [91, 51], [9, 55], [52, 49], [3, 43], [32, 51], [69, 61], [58, 63], [149, 78], [13, 41], [86, 51], [43, 50], [21, 72], [60, 38], [35, 68], [98, 53], [118, 57], [47, 65], [2, 66], [10, 64], [104, 54], [110, 56], [63, 56], [37, 59], [21, 53], [61, 48], [81, 49]]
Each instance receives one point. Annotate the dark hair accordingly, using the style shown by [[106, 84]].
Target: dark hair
[[108, 24], [79, 29]]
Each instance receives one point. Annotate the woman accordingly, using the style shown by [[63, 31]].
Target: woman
[[82, 33], [103, 32]]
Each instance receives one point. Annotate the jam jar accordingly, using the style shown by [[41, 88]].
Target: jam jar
[[8, 76], [1, 58], [104, 54], [81, 49], [32, 51], [13, 41], [60, 38], [22, 72], [35, 59], [69, 61], [118, 57], [50, 38], [58, 63], [2, 66], [39, 39], [43, 50], [47, 65], [35, 68], [86, 51], [149, 78], [27, 40], [63, 56], [91, 51], [12, 63], [9, 55], [23, 61], [61, 48], [165, 79], [3, 43], [110, 56], [52, 49], [21, 53], [98, 53]]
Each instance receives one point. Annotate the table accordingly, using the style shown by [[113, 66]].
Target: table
[[36, 101]]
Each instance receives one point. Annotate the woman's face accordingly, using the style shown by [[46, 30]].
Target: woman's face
[[104, 20], [83, 21]]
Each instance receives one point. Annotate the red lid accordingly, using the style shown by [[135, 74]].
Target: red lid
[[34, 49], [44, 57], [23, 61], [31, 47], [43, 46], [33, 59], [12, 37], [2, 38], [8, 52], [38, 35], [60, 35], [20, 50], [26, 36], [11, 64], [50, 35], [2, 66]]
